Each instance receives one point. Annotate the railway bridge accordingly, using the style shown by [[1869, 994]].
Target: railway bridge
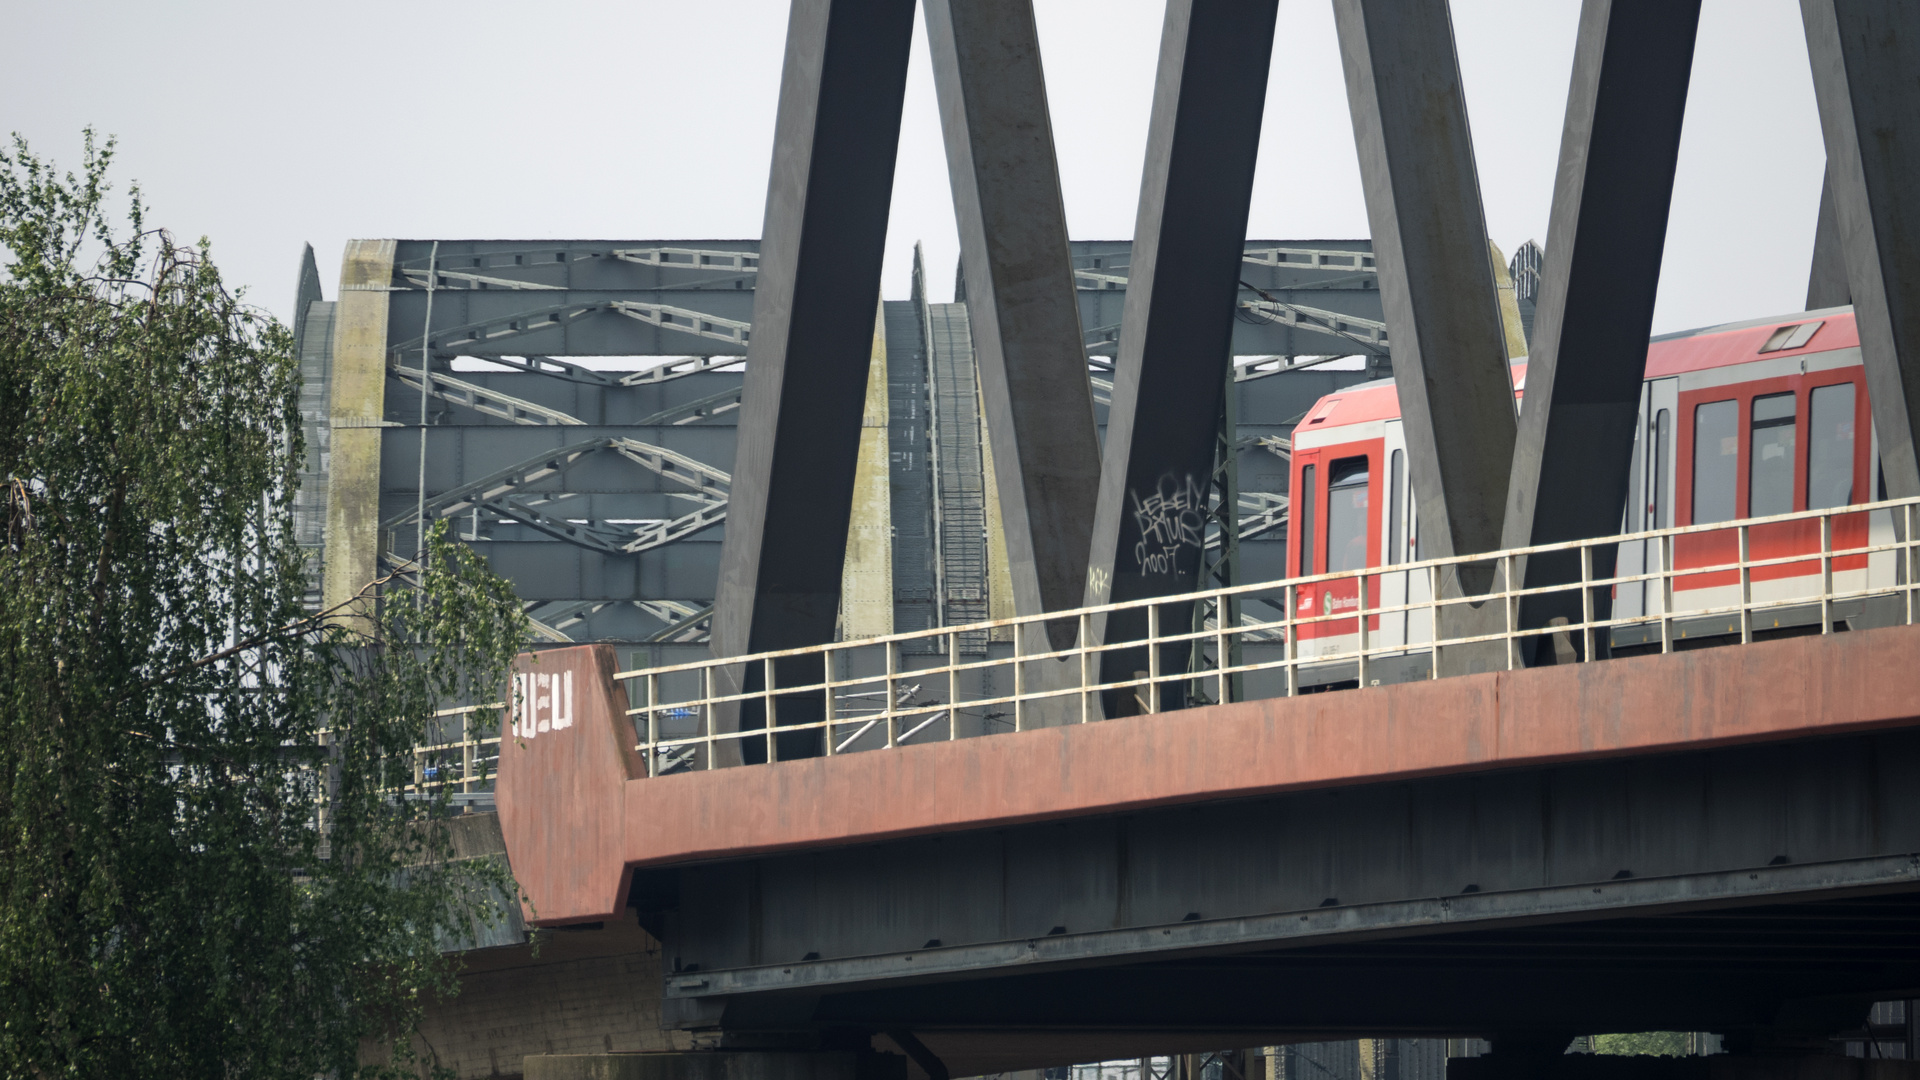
[[1118, 809]]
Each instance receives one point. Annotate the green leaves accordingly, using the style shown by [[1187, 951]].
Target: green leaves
[[209, 859]]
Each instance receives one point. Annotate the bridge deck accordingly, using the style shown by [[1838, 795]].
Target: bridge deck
[[580, 815]]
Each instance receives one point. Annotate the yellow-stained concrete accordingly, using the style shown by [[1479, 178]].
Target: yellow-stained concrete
[[866, 583], [1509, 304], [357, 407]]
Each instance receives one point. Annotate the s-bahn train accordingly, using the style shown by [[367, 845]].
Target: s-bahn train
[[1743, 420]]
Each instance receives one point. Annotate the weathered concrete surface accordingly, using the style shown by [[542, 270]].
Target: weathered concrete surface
[[357, 407], [577, 822]]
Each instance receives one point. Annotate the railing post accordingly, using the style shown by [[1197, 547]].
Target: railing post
[[1360, 613], [1666, 593], [1220, 609], [1826, 573], [1086, 641], [1746, 590], [826, 698], [706, 715], [1507, 605], [1153, 658], [893, 669], [766, 694], [1291, 653], [1019, 678], [1586, 601], [652, 683], [952, 644], [1433, 623]]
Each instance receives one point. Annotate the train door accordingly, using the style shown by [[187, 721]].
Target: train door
[[1649, 495], [1397, 546], [1335, 528]]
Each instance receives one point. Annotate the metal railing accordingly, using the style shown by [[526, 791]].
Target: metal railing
[[866, 693]]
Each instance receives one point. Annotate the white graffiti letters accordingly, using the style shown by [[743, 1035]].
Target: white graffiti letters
[[542, 702], [1172, 518]]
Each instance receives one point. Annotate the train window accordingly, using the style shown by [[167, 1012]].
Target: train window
[[1307, 495], [1396, 505], [1662, 495], [1770, 464], [1830, 446], [1347, 483], [1716, 457]]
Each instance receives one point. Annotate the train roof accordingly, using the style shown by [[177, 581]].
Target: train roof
[[1708, 347]]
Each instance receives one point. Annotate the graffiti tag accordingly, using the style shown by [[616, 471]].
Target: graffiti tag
[[1171, 519]]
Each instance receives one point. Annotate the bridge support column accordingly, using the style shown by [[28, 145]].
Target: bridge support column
[[1021, 304], [1177, 324], [1436, 287], [836, 136], [1608, 230], [718, 1065]]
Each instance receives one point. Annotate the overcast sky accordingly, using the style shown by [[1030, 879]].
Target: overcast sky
[[263, 126]]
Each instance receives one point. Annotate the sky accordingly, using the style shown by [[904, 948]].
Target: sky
[[266, 126]]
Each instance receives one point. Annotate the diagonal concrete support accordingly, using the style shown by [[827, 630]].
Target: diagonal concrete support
[[1608, 229], [1436, 285], [1177, 324], [1020, 294], [1827, 277], [1864, 55], [836, 137]]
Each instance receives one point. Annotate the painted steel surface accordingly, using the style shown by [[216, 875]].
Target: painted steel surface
[[579, 815]]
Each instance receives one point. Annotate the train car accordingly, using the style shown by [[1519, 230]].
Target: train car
[[1737, 421]]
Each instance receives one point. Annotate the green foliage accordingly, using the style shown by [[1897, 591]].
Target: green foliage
[[172, 901], [1662, 1043]]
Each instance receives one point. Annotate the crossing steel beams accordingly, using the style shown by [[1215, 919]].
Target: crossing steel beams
[[1176, 329], [1864, 55], [836, 137], [1608, 229]]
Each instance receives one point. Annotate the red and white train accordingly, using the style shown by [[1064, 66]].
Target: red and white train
[[1737, 421]]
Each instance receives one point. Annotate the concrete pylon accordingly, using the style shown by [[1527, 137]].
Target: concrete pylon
[[1436, 289], [1177, 323], [1864, 54], [1608, 229], [836, 137]]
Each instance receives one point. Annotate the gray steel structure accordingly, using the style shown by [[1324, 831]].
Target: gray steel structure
[[524, 451]]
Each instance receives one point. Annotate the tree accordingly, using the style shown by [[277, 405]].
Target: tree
[[1662, 1043], [172, 901]]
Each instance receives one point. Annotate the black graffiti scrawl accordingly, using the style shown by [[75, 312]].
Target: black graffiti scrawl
[[1170, 520]]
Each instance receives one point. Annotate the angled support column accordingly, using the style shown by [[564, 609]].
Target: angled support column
[[1827, 278], [1865, 54], [1020, 297], [1177, 323], [1436, 286], [836, 136], [1608, 228]]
